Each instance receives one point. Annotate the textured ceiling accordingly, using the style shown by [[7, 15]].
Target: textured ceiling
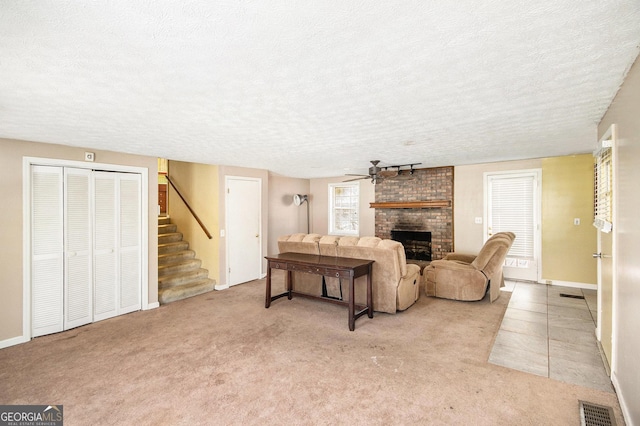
[[315, 89]]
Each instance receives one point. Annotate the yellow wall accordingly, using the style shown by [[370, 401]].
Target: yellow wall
[[567, 194], [198, 184]]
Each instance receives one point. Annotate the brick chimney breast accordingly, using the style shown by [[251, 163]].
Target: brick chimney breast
[[424, 185]]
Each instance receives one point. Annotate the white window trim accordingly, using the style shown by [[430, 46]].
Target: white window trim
[[332, 230]]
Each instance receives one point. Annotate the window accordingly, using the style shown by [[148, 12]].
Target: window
[[602, 202], [343, 208]]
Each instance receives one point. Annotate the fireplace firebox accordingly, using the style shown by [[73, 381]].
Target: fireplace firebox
[[417, 244]]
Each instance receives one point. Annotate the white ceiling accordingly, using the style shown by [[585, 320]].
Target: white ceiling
[[315, 88]]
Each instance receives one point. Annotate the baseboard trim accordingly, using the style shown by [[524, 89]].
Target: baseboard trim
[[569, 284], [626, 412], [13, 341], [220, 287], [153, 305]]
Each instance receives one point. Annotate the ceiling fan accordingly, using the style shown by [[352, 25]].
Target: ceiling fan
[[377, 173]]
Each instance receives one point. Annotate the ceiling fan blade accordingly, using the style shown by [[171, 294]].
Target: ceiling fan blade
[[353, 174], [359, 178]]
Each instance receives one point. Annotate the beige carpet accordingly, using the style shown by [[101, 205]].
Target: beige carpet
[[222, 358]]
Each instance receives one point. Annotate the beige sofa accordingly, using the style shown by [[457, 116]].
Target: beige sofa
[[467, 277], [396, 284]]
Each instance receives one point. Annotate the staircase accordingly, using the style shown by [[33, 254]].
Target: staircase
[[179, 272]]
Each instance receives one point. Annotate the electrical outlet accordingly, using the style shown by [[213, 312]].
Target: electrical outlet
[[478, 220]]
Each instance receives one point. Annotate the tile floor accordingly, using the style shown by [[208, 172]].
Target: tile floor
[[549, 335]]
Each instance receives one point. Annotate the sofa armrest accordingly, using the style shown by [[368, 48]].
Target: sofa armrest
[[408, 288], [460, 257], [454, 280]]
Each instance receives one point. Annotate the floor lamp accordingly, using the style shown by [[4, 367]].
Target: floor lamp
[[298, 199]]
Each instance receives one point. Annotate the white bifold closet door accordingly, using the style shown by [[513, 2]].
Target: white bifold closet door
[[117, 247], [78, 266], [47, 250], [130, 242], [86, 246]]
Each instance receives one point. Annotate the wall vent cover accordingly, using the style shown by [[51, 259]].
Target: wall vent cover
[[596, 415], [573, 296]]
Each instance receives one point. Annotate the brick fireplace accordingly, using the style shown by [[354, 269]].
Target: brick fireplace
[[433, 184]]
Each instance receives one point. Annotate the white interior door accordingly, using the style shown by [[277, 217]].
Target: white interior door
[[605, 221], [513, 204], [244, 237], [605, 293]]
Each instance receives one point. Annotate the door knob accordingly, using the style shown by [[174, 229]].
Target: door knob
[[597, 255]]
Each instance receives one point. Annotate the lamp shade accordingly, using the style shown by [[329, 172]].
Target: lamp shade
[[298, 199]]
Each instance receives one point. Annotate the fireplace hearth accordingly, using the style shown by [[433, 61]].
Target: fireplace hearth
[[417, 244]]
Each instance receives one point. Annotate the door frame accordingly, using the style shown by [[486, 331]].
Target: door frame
[[537, 210], [227, 179], [27, 162]]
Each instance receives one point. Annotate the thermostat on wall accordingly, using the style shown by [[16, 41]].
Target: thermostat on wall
[[89, 156]]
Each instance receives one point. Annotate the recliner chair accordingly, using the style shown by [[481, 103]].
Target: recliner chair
[[468, 277]]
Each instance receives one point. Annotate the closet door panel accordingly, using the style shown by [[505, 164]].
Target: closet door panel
[[78, 219], [47, 250], [105, 246], [130, 242]]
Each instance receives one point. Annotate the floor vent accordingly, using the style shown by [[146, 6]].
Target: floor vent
[[596, 415], [573, 296]]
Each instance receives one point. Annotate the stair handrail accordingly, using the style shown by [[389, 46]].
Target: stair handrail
[[204, 228]]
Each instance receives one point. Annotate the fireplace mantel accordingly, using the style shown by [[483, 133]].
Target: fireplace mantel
[[433, 204]]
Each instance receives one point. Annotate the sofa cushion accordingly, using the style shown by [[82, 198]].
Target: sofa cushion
[[328, 245], [368, 241], [299, 243], [348, 241]]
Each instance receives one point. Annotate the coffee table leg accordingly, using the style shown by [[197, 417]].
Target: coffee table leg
[[267, 298], [352, 305], [289, 286]]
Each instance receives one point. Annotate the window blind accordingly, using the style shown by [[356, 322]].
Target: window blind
[[603, 191], [512, 210]]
